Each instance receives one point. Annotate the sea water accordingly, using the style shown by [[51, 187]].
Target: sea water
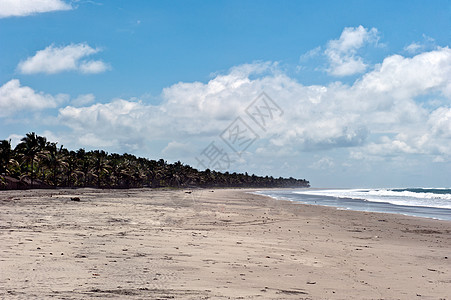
[[421, 202]]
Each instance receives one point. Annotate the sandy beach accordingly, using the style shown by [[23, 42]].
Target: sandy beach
[[212, 244]]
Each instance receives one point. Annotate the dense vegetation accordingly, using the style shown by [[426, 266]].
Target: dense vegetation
[[37, 163]]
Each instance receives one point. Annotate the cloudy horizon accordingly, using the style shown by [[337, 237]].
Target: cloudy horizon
[[354, 108]]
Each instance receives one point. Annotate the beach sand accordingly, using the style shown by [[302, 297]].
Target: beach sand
[[212, 244]]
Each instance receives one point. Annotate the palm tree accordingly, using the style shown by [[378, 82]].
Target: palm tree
[[60, 167], [83, 167], [101, 166], [70, 159], [29, 148], [5, 155], [54, 160]]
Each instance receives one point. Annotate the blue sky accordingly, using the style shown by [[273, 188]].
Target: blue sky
[[363, 88]]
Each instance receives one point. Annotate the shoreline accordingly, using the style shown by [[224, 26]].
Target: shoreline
[[213, 243], [358, 204]]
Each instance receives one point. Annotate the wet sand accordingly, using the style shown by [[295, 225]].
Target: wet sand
[[221, 244]]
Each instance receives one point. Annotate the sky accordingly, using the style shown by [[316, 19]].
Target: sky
[[342, 93]]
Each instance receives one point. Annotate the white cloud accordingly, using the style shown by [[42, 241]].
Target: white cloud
[[413, 47], [94, 125], [310, 54], [188, 109], [402, 77], [334, 116], [90, 139], [104, 115], [427, 43], [53, 60], [15, 139], [93, 66], [178, 150], [440, 122], [19, 8], [84, 99], [342, 53], [324, 163], [14, 98]]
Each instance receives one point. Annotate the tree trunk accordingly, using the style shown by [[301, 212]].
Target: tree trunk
[[32, 161]]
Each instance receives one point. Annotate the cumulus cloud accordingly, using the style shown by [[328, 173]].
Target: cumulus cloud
[[14, 97], [93, 66], [54, 59], [440, 122], [19, 8], [375, 116], [402, 77], [94, 124], [342, 53], [84, 99], [119, 112]]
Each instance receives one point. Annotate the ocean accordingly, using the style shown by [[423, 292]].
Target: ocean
[[419, 202]]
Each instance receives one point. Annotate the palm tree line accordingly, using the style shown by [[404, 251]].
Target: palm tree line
[[38, 163]]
